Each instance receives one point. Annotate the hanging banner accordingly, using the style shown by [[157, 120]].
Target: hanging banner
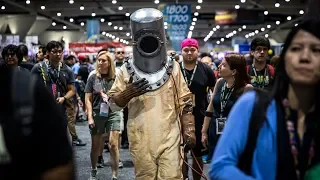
[[93, 29], [92, 47], [178, 19]]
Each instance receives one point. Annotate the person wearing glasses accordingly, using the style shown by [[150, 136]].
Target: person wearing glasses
[[56, 76]]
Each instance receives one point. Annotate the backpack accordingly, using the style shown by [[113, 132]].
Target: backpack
[[258, 117], [270, 70]]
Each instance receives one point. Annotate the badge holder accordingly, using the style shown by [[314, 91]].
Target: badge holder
[[220, 123], [104, 110]]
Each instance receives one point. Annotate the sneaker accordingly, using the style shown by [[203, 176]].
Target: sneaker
[[93, 174], [114, 178], [78, 142], [120, 164], [100, 163]]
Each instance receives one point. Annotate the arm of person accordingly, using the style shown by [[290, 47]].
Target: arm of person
[[118, 86], [51, 138], [212, 81], [233, 141], [210, 109], [70, 85], [88, 96]]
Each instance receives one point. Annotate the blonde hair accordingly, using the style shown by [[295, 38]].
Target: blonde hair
[[111, 68]]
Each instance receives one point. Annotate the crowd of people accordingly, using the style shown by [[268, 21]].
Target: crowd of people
[[250, 120]]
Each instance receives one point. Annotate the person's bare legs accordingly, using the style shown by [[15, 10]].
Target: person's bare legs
[[95, 150], [114, 152]]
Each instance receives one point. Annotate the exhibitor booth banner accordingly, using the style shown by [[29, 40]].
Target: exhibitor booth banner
[[92, 47], [178, 19]]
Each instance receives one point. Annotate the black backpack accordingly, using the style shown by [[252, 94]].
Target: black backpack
[[258, 117]]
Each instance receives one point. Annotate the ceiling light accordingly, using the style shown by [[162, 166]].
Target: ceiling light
[[109, 23], [114, 1], [234, 32], [247, 36], [120, 8], [156, 1], [222, 39], [120, 28], [193, 23], [194, 19], [71, 19], [81, 7], [266, 12], [113, 37], [277, 22], [190, 34], [64, 27], [268, 26], [116, 27], [200, 1], [54, 23], [262, 29], [256, 31], [191, 28], [218, 27], [266, 35], [287, 0], [301, 12], [198, 7], [242, 1], [59, 14], [214, 29], [127, 14], [82, 23], [42, 7], [289, 18], [237, 6], [71, 1], [101, 20], [196, 14], [27, 1], [128, 34], [239, 29], [296, 25], [107, 34], [93, 14], [121, 40], [103, 33], [244, 27], [165, 27], [165, 23], [218, 42], [277, 4]]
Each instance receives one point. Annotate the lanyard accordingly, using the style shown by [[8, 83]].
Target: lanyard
[[192, 76], [264, 76], [225, 95]]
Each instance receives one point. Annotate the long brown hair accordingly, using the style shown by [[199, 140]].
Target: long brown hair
[[238, 62]]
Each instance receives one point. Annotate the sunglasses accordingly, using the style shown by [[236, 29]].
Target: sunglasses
[[120, 52]]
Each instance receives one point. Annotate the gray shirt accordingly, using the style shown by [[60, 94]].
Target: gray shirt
[[95, 85]]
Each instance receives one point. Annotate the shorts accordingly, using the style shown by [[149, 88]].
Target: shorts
[[105, 124]]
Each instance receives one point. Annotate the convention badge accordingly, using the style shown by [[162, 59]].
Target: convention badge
[[54, 89], [104, 109], [220, 123]]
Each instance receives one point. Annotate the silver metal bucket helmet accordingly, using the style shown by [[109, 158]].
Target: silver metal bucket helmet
[[150, 60], [149, 40]]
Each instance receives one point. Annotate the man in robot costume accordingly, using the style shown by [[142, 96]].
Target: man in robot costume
[[159, 101]]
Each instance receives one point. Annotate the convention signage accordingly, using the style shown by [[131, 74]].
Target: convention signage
[[178, 19], [93, 29], [91, 47]]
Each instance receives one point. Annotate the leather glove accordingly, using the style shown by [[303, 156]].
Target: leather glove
[[133, 90], [188, 126]]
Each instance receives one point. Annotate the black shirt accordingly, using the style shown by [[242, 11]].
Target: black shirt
[[203, 79], [48, 144], [66, 77]]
